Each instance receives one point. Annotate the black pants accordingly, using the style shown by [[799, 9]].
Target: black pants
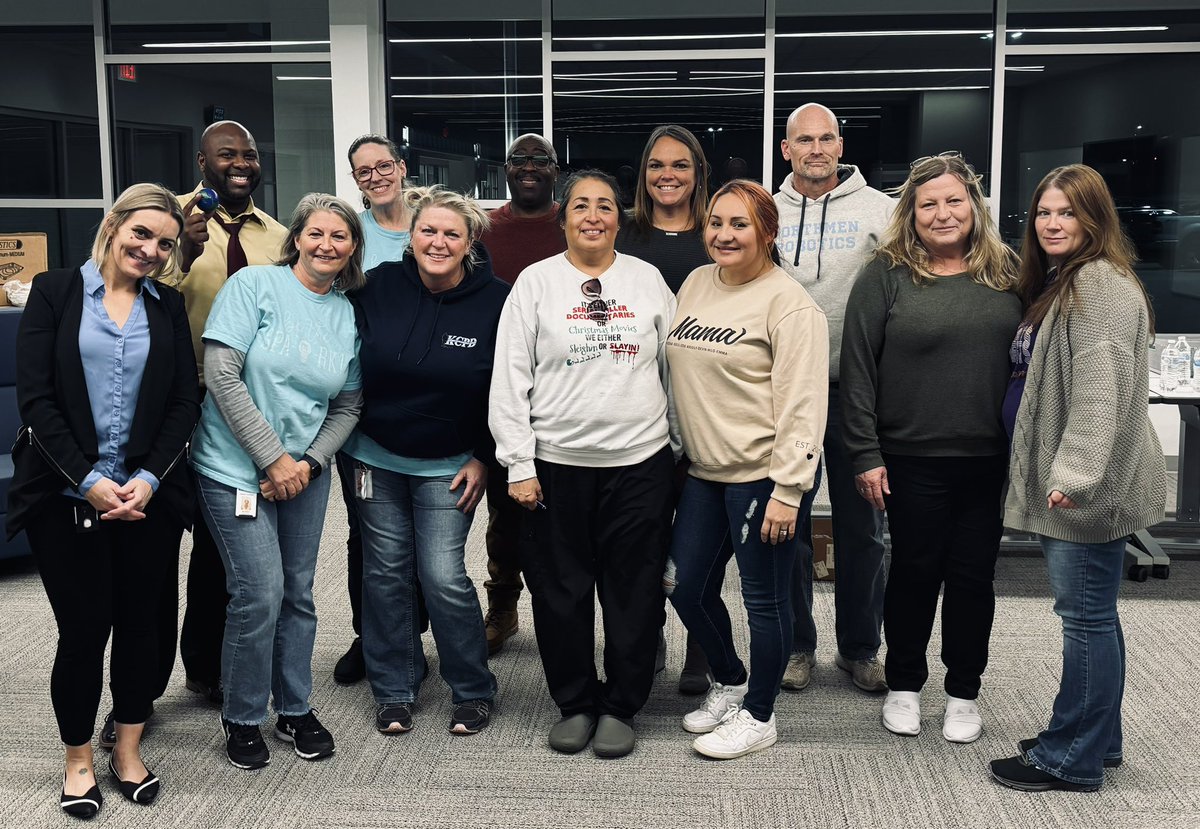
[[168, 614], [204, 618], [110, 579], [945, 520], [604, 531], [504, 583], [354, 547]]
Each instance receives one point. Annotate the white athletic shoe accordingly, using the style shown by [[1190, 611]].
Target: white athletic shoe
[[962, 723], [902, 713], [721, 699], [737, 735]]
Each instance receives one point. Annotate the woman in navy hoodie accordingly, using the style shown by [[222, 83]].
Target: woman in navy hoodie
[[428, 327]]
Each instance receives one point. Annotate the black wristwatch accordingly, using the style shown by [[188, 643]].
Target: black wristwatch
[[313, 465]]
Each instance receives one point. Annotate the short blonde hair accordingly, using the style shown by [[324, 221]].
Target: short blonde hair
[[144, 196], [474, 217]]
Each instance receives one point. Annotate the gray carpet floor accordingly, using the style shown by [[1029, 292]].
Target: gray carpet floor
[[834, 765]]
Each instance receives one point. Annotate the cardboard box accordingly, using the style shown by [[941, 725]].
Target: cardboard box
[[822, 539], [22, 257]]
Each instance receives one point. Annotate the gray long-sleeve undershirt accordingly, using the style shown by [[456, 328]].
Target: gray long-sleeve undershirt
[[223, 376]]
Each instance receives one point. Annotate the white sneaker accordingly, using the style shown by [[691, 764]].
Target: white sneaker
[[720, 701], [962, 723], [902, 712], [738, 734]]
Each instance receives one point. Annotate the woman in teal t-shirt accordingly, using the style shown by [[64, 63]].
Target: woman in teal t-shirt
[[284, 391]]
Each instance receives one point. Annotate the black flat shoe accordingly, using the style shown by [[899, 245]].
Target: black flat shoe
[[83, 806], [1018, 773], [1032, 743], [142, 793]]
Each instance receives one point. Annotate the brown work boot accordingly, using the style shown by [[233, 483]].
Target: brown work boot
[[499, 625]]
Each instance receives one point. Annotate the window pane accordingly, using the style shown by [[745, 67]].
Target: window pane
[[160, 118], [623, 25], [69, 233], [902, 86], [218, 25], [1144, 142], [459, 95], [49, 142], [604, 111], [1030, 22]]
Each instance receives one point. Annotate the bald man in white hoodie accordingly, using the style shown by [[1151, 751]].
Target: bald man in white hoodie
[[830, 222]]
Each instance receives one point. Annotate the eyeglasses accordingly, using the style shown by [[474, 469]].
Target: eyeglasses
[[384, 168], [948, 154], [540, 162]]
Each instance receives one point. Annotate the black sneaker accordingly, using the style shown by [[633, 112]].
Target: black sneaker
[[306, 734], [394, 719], [108, 732], [245, 745], [211, 691], [351, 667], [471, 717]]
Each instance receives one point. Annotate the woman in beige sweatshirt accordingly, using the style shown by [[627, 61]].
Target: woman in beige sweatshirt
[[749, 358]]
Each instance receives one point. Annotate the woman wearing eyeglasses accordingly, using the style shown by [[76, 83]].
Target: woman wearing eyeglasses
[[379, 170], [579, 413], [377, 166], [923, 374], [665, 228]]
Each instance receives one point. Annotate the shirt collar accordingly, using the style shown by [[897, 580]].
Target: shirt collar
[[251, 212], [93, 282]]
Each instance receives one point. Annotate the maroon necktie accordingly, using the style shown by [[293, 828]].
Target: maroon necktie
[[235, 257]]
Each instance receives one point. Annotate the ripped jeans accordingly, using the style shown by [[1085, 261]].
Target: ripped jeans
[[713, 522]]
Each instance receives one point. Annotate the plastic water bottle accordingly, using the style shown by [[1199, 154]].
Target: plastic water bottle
[[1167, 379], [1183, 365], [1196, 368]]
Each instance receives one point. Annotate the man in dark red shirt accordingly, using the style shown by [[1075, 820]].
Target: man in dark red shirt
[[522, 232]]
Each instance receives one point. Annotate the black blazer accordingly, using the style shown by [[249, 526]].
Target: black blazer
[[57, 443]]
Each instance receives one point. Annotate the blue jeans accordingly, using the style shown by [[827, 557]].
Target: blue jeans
[[1085, 727], [713, 522], [859, 574], [410, 528], [271, 621]]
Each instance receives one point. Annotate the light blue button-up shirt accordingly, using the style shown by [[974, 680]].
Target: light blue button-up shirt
[[114, 360]]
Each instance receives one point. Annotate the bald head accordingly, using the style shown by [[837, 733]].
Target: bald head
[[228, 162], [223, 129], [810, 111], [813, 145]]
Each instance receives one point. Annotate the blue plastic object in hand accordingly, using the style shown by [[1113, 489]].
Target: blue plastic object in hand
[[208, 200]]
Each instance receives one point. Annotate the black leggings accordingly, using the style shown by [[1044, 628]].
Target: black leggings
[[110, 579]]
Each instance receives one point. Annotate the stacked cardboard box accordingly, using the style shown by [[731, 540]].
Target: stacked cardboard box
[[22, 257]]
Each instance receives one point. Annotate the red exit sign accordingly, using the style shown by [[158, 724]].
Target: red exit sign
[[127, 72]]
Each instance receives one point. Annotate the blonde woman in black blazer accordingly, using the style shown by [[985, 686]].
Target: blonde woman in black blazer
[[108, 397]]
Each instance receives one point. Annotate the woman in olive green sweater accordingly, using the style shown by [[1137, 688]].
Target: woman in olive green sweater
[[1086, 469]]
